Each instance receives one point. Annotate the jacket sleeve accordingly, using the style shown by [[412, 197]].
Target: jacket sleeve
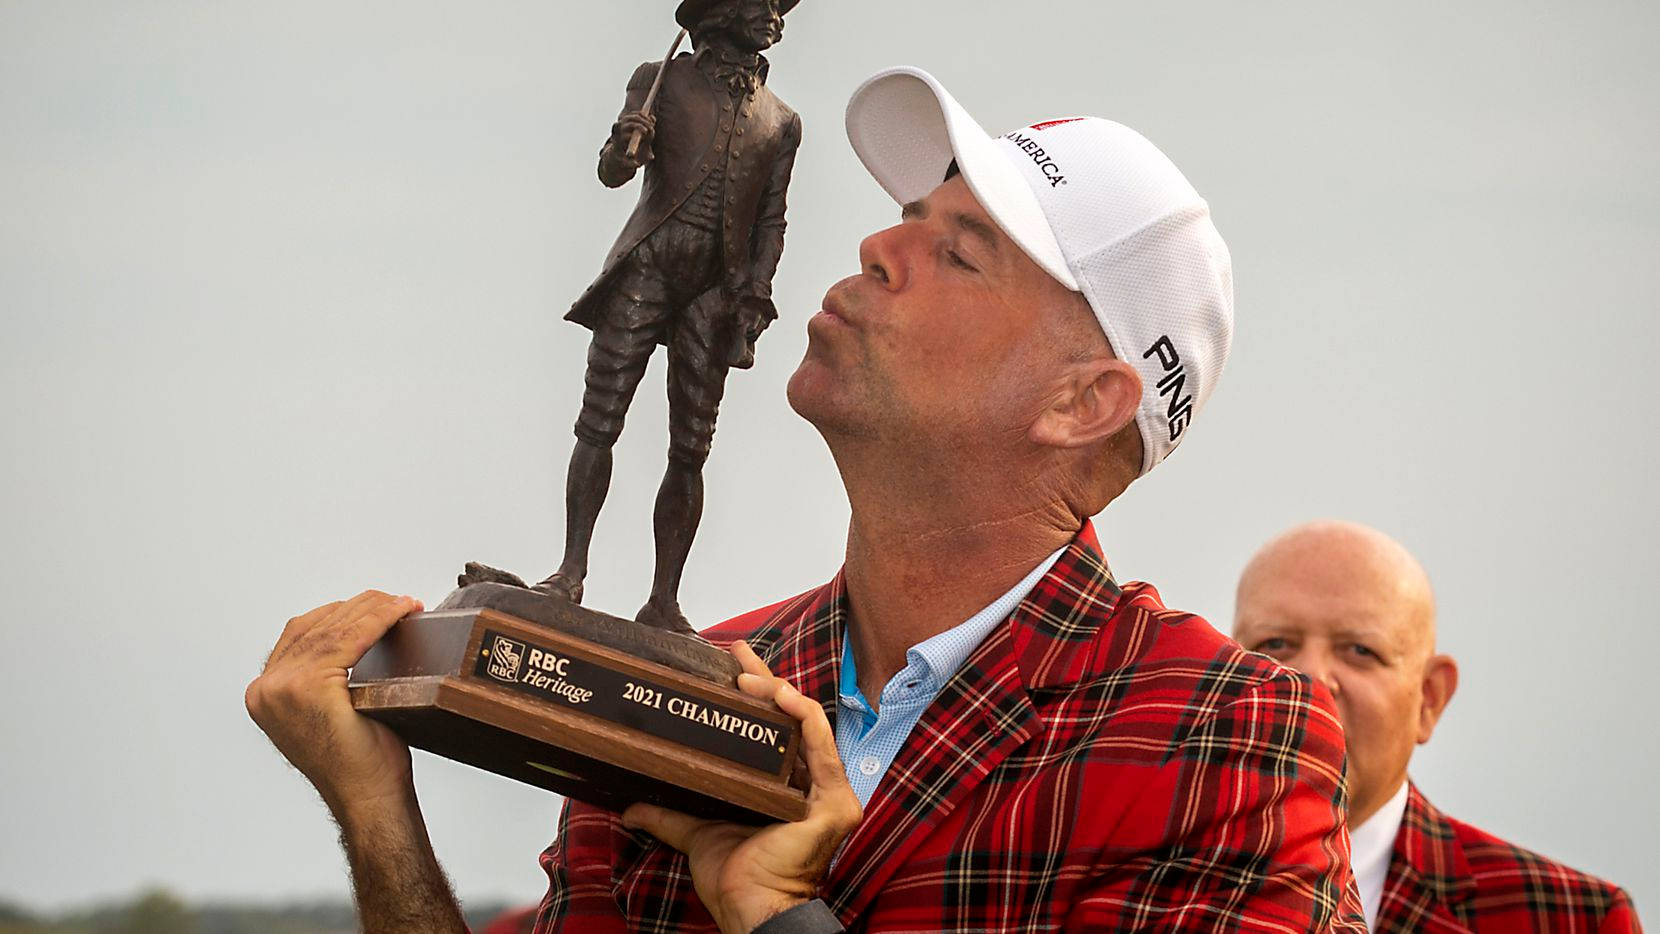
[[612, 173], [1252, 803], [767, 243], [582, 864], [1621, 918]]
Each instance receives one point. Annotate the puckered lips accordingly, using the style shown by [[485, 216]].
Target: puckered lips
[[833, 313]]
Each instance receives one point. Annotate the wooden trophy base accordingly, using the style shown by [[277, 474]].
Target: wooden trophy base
[[549, 704]]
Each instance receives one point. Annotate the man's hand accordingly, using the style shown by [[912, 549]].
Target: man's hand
[[301, 702], [359, 766], [745, 875]]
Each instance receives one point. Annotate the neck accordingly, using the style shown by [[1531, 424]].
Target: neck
[[1362, 811], [723, 48], [933, 540]]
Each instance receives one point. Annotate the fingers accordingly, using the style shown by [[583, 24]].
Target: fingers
[[299, 626], [323, 616], [757, 679], [344, 631], [831, 798], [751, 662], [818, 740], [671, 827], [343, 640], [632, 125]]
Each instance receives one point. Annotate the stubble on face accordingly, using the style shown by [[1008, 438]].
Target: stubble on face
[[944, 337], [835, 387]]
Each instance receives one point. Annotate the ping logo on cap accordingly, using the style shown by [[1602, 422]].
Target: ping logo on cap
[[1180, 408], [1051, 172]]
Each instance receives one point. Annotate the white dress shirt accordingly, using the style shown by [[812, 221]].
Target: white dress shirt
[[1370, 847]]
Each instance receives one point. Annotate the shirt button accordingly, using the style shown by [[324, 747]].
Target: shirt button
[[869, 765]]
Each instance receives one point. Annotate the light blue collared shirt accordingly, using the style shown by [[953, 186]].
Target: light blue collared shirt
[[868, 739]]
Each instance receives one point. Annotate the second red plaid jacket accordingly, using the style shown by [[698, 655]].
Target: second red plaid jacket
[[1099, 763], [1446, 877]]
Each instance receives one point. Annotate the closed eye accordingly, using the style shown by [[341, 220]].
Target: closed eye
[[956, 259]]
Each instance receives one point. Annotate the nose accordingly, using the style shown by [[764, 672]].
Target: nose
[[1323, 671], [882, 256]]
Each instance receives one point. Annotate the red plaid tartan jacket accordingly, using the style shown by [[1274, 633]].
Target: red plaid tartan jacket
[[1447, 876], [1098, 763]]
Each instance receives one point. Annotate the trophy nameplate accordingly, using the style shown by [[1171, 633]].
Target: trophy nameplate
[[547, 707]]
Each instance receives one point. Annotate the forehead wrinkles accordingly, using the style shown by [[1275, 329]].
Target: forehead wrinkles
[[953, 203]]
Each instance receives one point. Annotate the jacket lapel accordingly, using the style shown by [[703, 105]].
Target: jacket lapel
[[803, 642], [981, 716], [1429, 878]]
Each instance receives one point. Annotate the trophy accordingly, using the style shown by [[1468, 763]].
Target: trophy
[[524, 681]]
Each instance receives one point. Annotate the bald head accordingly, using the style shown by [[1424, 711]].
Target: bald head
[[1353, 609], [1344, 569]]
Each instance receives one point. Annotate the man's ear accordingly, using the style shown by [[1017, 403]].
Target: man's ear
[[1440, 681], [1094, 401]]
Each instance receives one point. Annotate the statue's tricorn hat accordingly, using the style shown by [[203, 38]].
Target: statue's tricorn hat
[[690, 12]]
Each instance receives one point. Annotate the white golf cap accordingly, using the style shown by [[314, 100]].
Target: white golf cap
[[1095, 205]]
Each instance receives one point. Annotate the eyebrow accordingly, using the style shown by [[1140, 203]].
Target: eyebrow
[[986, 233]]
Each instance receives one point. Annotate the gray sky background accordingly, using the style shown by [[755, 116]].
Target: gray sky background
[[281, 290]]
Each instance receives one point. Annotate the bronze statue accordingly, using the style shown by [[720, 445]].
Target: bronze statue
[[692, 270], [524, 681]]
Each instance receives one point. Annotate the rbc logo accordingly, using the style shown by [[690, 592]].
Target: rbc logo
[[505, 659]]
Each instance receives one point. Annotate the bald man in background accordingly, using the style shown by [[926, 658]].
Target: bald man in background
[[1350, 607]]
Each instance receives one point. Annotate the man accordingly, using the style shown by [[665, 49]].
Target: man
[[1350, 607], [1020, 743], [692, 270]]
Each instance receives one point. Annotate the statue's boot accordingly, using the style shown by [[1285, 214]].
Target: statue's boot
[[665, 616], [563, 586]]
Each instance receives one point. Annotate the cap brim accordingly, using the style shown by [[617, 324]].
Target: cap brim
[[906, 129]]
